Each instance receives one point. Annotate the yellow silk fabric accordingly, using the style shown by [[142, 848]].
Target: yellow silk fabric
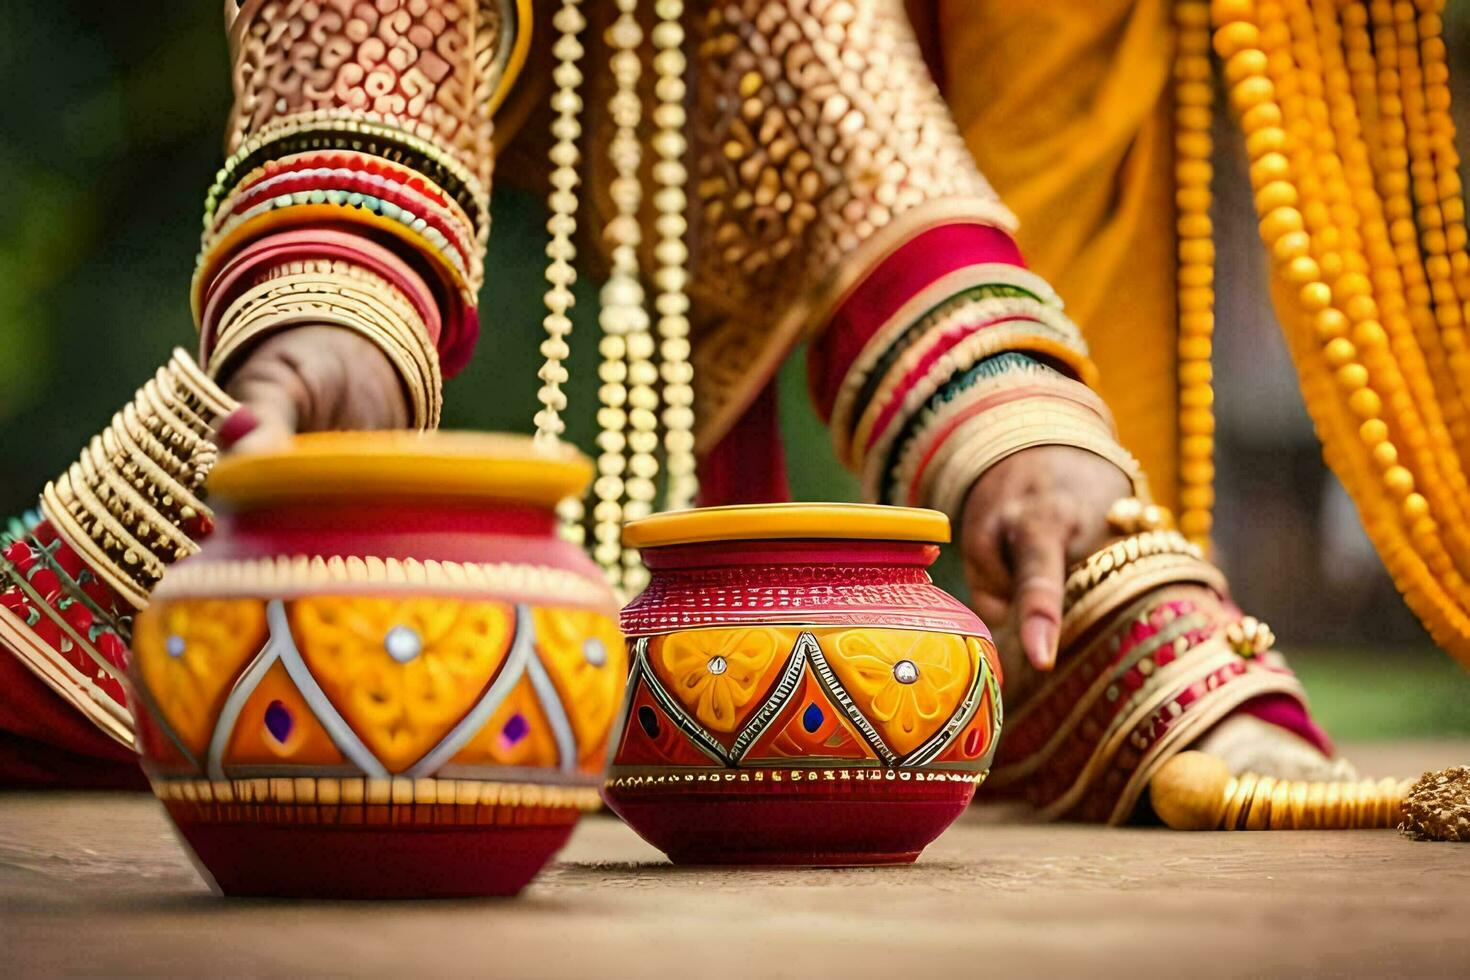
[[1065, 105]]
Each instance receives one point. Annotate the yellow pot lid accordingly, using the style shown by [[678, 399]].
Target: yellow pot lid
[[804, 520], [431, 465]]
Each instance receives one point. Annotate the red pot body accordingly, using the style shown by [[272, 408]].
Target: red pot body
[[812, 702], [378, 698]]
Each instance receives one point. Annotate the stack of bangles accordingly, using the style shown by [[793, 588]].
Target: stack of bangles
[[73, 574], [130, 504], [976, 365], [337, 293], [349, 219]]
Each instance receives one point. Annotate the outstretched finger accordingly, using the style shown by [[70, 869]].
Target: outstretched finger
[[269, 413], [1038, 551]]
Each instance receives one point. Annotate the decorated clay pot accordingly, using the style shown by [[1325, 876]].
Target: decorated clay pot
[[800, 692], [385, 674]]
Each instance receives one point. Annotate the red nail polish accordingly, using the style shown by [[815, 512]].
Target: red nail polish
[[240, 423]]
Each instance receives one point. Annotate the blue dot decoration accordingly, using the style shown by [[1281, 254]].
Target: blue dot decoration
[[812, 717], [516, 728], [278, 721], [648, 721]]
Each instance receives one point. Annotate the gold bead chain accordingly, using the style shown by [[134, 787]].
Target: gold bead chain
[[1194, 95], [628, 416], [561, 272], [626, 466], [1353, 168], [672, 254]]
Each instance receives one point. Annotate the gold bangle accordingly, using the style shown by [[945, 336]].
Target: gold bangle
[[1116, 557], [1087, 414], [1143, 576], [241, 336], [342, 295], [75, 482], [324, 279], [1041, 382], [102, 477], [139, 475], [126, 457], [979, 445], [394, 310]]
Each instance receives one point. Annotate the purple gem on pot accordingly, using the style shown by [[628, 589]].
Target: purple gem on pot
[[278, 721], [515, 729]]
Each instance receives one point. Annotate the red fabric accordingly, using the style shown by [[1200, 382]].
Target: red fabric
[[918, 263], [748, 466], [1290, 714], [46, 742]]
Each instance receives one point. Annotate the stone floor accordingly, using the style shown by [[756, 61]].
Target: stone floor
[[97, 885]]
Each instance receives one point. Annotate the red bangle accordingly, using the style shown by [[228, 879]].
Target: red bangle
[[314, 243]]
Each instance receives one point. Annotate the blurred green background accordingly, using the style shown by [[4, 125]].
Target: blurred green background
[[110, 134]]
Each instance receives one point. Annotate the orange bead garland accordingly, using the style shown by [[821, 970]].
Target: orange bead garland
[[1193, 151], [1352, 163]]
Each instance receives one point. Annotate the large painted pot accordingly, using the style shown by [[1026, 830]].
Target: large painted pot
[[385, 675], [801, 692]]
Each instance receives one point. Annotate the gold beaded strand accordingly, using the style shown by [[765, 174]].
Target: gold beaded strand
[[629, 401], [671, 273], [627, 465], [561, 271]]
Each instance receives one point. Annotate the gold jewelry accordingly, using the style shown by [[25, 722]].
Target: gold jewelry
[[344, 295], [1195, 791], [1250, 637], [1131, 515], [1115, 559], [123, 505], [983, 442], [672, 253], [1143, 575], [628, 418]]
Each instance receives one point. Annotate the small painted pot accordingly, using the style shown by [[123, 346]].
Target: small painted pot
[[385, 675], [801, 691]]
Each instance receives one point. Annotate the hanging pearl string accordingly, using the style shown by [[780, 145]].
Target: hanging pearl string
[[672, 254], [626, 467], [561, 271], [628, 416]]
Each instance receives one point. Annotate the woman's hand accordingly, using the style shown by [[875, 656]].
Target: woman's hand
[[310, 379], [1025, 521]]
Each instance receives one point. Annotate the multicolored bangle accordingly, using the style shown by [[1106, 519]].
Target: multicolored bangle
[[967, 334], [900, 474]]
